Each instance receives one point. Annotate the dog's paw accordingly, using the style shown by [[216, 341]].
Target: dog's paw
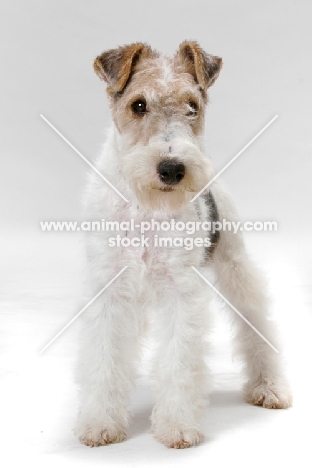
[[268, 396], [177, 437], [96, 435]]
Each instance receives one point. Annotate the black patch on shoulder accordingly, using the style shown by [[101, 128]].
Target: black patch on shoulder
[[214, 216]]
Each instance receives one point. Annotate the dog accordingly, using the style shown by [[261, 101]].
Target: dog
[[154, 157]]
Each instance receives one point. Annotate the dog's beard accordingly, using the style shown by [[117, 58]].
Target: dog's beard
[[139, 168], [162, 199]]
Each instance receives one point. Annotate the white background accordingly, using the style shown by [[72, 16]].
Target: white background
[[47, 49]]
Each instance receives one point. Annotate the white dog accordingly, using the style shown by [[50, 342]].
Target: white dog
[[154, 156]]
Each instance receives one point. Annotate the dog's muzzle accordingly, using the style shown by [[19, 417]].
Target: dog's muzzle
[[171, 172]]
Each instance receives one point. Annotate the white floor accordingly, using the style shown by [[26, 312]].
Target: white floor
[[41, 290]]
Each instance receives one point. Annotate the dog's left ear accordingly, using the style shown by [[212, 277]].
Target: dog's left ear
[[116, 65], [205, 68]]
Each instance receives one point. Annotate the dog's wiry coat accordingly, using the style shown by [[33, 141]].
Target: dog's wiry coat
[[159, 286]]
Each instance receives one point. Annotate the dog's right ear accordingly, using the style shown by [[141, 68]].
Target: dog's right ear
[[116, 65]]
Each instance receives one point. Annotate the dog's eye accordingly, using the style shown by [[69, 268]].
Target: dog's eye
[[192, 109], [139, 107]]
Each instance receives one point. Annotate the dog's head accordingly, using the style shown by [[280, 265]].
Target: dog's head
[[158, 106]]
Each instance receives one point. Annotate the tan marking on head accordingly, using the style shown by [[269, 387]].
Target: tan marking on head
[[172, 123], [115, 66], [167, 95], [204, 68]]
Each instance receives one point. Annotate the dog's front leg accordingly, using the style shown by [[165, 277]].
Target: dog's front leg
[[179, 368], [109, 348]]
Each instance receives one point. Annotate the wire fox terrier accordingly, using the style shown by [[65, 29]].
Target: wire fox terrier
[[154, 156]]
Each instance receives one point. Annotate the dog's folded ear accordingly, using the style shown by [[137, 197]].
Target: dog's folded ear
[[115, 66], [205, 68]]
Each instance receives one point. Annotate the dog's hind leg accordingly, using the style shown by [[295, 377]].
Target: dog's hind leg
[[244, 286]]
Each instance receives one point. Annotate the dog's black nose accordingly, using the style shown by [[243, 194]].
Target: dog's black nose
[[171, 172]]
